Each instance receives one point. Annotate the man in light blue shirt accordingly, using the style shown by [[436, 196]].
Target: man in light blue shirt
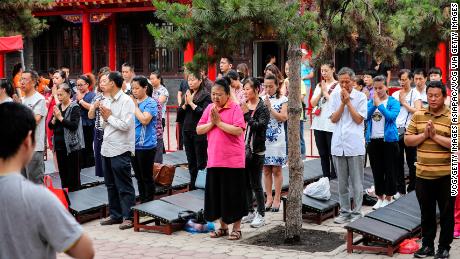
[[348, 110]]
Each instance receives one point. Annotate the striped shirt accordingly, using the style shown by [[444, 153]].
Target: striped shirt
[[433, 160]]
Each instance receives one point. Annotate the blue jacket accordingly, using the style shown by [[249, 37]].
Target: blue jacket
[[390, 113]]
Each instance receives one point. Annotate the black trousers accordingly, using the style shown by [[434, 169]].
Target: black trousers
[[117, 179], [69, 169], [323, 143], [87, 154], [143, 170], [196, 150], [254, 180], [428, 193], [411, 157], [180, 138], [383, 157]]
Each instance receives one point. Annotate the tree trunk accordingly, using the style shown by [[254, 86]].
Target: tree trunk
[[294, 199], [28, 53]]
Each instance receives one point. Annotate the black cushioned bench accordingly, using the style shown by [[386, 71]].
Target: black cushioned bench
[[176, 158], [165, 216]]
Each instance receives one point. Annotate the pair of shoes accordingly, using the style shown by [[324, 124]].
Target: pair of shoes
[[378, 204], [235, 235], [258, 221], [249, 218], [442, 253], [341, 219], [457, 234], [424, 251], [276, 208], [221, 232], [109, 221], [126, 224]]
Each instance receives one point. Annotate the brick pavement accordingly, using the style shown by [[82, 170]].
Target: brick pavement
[[110, 242]]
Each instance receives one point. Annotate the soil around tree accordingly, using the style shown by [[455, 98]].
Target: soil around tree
[[310, 240]]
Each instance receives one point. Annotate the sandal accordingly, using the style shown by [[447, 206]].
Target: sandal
[[235, 235], [221, 232]]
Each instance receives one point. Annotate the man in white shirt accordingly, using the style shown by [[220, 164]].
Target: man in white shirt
[[410, 101], [35, 170], [420, 85], [348, 108], [117, 148], [127, 70]]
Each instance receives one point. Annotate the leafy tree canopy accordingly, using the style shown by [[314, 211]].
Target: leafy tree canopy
[[16, 17]]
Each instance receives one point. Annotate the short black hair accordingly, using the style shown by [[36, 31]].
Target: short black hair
[[380, 78], [232, 74], [16, 120], [435, 70], [437, 84], [223, 82], [371, 73], [116, 77], [6, 84], [420, 71], [126, 64], [405, 71], [51, 70], [229, 58]]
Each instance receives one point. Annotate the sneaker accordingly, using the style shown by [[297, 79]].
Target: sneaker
[[354, 217], [457, 234], [342, 219], [442, 253], [377, 205], [258, 221], [109, 221], [385, 203], [397, 196], [423, 252], [126, 224], [249, 218]]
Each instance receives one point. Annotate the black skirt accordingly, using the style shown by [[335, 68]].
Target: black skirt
[[225, 194]]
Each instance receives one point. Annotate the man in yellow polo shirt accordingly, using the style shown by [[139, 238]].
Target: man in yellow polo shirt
[[429, 131]]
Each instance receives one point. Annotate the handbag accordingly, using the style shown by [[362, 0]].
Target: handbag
[[317, 109], [163, 174], [200, 181], [61, 194]]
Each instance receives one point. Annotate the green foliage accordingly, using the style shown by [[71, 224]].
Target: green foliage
[[226, 24], [16, 17]]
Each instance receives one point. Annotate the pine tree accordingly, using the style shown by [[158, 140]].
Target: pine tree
[[16, 17], [324, 25]]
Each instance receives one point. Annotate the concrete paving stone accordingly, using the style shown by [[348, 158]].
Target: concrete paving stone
[[272, 256], [170, 250], [306, 256], [254, 255], [237, 257], [167, 256], [152, 254], [238, 251]]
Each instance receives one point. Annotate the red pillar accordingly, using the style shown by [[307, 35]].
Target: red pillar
[[2, 65], [211, 67], [189, 52], [112, 43], [86, 44], [440, 60]]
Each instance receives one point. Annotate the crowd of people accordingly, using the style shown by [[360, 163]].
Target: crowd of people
[[236, 129]]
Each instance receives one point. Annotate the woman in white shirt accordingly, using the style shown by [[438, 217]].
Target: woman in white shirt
[[410, 101], [322, 125]]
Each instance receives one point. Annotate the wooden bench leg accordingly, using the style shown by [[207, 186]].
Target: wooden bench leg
[[136, 221], [349, 241]]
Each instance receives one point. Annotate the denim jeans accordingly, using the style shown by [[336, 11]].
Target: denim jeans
[[120, 189]]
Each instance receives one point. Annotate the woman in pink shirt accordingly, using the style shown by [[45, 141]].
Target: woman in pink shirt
[[225, 192]]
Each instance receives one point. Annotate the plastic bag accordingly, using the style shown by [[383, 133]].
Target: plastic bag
[[409, 246], [194, 227], [320, 190], [200, 181]]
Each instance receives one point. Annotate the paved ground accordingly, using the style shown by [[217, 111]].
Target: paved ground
[[110, 242]]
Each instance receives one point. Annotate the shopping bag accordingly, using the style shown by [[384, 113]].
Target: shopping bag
[[409, 246], [61, 194]]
